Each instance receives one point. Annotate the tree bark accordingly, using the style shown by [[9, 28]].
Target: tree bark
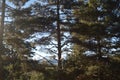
[[59, 42], [1, 38], [2, 25]]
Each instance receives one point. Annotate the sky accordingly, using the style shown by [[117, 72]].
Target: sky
[[26, 5], [29, 3]]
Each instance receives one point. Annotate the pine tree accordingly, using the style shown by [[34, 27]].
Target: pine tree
[[2, 24], [92, 32], [2, 18], [15, 60], [55, 34], [25, 22]]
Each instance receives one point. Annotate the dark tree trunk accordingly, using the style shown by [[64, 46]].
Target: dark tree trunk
[[1, 39], [2, 26], [59, 42]]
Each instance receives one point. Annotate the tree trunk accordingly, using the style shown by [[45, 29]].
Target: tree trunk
[[99, 58], [59, 42], [2, 26], [99, 49], [1, 39]]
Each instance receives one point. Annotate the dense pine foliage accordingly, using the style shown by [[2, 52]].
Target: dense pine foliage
[[60, 40]]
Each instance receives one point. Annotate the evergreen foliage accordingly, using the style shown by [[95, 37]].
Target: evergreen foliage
[[86, 31]]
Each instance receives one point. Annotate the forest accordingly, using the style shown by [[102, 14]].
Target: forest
[[59, 39]]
